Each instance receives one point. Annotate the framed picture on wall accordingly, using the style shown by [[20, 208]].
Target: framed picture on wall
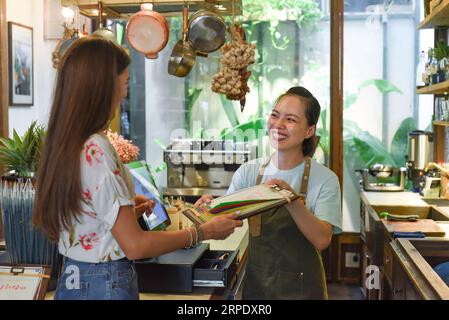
[[21, 69]]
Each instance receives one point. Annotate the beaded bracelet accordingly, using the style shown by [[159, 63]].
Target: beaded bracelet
[[199, 234]]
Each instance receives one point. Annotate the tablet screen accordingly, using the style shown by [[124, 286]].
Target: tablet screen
[[144, 185]]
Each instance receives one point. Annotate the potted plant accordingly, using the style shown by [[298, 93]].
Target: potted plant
[[441, 54], [19, 157]]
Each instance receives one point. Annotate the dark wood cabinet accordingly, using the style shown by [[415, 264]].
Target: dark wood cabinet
[[369, 272], [404, 266], [413, 274]]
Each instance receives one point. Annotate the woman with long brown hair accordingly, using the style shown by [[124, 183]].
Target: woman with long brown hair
[[85, 197]]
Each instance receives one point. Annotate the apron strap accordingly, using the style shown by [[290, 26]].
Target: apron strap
[[305, 180], [255, 222]]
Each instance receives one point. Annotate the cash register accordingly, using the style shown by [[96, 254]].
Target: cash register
[[184, 269]]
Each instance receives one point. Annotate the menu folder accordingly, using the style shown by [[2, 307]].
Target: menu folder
[[24, 282], [246, 203]]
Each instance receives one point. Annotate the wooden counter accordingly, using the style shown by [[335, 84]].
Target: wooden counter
[[393, 199], [407, 203], [399, 277], [237, 241], [414, 277]]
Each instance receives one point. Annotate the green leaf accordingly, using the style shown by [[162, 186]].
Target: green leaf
[[324, 119], [350, 100], [384, 86], [228, 107], [248, 131], [400, 141], [160, 144], [160, 167], [193, 95], [371, 150], [323, 133], [21, 154]]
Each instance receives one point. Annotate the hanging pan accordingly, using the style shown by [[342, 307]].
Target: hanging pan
[[207, 32], [183, 56], [102, 31], [147, 31]]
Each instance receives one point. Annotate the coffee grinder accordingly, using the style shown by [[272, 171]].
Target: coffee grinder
[[420, 152]]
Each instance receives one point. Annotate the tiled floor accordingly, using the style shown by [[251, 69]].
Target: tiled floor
[[344, 292]]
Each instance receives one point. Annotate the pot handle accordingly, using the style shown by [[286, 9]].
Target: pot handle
[[201, 54], [185, 17]]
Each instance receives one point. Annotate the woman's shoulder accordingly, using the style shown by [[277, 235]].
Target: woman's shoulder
[[98, 139], [254, 164], [101, 141], [98, 152], [322, 172]]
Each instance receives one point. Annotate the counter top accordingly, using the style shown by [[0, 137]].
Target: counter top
[[401, 201], [445, 226], [404, 198], [238, 240]]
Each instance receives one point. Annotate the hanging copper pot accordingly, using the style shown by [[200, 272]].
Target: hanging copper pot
[[147, 32], [183, 56]]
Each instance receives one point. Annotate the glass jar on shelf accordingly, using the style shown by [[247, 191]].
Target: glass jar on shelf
[[421, 70]]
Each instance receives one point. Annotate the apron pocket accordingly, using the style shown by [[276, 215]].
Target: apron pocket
[[288, 286]]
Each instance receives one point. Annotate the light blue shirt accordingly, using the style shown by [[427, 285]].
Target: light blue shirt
[[323, 192]]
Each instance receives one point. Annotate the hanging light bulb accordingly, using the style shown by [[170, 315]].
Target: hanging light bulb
[[68, 13], [146, 6]]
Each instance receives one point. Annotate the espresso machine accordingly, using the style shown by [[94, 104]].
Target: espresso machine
[[420, 153], [197, 167]]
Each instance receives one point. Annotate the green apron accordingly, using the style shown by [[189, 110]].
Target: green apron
[[282, 263]]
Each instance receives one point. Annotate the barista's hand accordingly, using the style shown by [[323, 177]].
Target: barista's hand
[[220, 227], [286, 186], [206, 198], [280, 183], [143, 205]]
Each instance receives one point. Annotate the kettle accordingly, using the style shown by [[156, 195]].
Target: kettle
[[420, 149]]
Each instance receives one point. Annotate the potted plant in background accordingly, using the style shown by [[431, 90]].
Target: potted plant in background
[[19, 157], [441, 54]]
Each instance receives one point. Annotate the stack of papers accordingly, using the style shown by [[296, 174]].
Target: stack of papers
[[245, 203]]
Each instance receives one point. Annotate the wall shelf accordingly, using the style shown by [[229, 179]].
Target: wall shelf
[[439, 88], [438, 18]]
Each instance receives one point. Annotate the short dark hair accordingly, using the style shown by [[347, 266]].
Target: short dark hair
[[313, 110]]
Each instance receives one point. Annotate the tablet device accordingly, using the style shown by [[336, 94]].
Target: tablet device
[[144, 184]]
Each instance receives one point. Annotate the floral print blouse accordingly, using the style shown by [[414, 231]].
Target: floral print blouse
[[106, 186]]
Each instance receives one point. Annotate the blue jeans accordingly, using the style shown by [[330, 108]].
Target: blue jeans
[[115, 280]]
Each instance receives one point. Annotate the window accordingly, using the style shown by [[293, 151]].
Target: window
[[380, 54]]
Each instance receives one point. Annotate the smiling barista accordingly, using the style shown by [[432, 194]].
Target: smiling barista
[[284, 248]]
